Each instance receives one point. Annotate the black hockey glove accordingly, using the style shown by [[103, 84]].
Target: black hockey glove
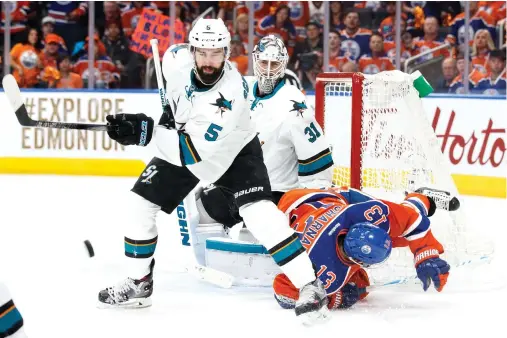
[[167, 118], [130, 129]]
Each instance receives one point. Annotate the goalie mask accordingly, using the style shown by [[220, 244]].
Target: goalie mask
[[270, 60]]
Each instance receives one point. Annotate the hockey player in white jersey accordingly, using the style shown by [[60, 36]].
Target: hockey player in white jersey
[[211, 139], [295, 150], [11, 321]]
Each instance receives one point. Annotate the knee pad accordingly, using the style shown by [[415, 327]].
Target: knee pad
[[220, 206]]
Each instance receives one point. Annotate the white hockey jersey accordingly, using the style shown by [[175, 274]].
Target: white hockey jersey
[[296, 152], [213, 125]]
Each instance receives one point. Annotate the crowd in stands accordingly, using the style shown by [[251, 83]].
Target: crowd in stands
[[50, 43]]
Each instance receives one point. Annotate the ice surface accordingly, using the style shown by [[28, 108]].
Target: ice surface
[[45, 219]]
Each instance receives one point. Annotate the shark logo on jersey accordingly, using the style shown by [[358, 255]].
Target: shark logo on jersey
[[189, 90], [299, 107], [223, 104]]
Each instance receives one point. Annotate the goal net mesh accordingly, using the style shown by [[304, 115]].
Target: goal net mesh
[[383, 144]]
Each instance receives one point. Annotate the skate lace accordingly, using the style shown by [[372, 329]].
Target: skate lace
[[118, 291]]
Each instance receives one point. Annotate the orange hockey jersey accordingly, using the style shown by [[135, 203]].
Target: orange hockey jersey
[[320, 217], [369, 64]]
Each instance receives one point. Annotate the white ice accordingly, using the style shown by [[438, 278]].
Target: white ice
[[45, 219]]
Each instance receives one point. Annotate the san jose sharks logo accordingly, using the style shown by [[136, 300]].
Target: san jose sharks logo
[[223, 104], [299, 107], [189, 90]]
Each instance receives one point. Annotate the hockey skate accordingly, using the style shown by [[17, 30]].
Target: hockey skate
[[311, 306], [443, 199], [129, 293]]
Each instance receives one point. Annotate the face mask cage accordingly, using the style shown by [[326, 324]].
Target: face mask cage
[[270, 62]]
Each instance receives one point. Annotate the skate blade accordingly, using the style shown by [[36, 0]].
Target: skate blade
[[315, 317], [138, 303]]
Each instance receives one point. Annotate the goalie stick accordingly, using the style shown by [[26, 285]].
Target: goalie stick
[[16, 100]]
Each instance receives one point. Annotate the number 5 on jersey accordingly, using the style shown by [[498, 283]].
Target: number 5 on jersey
[[212, 132]]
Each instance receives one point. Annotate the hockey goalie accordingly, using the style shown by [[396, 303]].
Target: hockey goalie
[[345, 230]]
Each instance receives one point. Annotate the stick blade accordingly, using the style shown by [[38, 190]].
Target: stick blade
[[12, 91]]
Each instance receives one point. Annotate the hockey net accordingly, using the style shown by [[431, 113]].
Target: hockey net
[[383, 144]]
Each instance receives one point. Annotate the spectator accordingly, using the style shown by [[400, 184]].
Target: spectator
[[482, 46], [496, 9], [299, 16], [336, 57], [349, 67], [387, 25], [495, 82], [117, 45], [238, 57], [304, 49], [26, 59], [67, 78], [474, 76], [130, 16], [430, 40], [105, 72], [449, 72], [316, 11], [407, 50], [262, 9], [67, 15], [336, 16], [355, 40], [79, 47], [308, 74], [415, 14], [111, 13], [48, 26], [279, 24], [51, 50], [241, 30], [478, 20], [19, 18], [376, 61]]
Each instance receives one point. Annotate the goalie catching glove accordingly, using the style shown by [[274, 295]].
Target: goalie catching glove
[[130, 129], [430, 267]]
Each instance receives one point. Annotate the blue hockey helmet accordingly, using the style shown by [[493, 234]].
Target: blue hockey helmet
[[367, 244]]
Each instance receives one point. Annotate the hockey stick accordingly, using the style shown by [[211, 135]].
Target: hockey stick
[[16, 100], [166, 109], [414, 278]]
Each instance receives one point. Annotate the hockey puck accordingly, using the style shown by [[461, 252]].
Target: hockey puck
[[89, 247]]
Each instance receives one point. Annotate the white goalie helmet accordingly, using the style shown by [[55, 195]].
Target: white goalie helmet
[[270, 60], [210, 33]]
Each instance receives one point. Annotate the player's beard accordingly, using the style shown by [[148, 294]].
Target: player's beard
[[209, 75]]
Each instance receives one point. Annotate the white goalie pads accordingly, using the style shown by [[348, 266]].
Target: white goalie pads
[[248, 262]]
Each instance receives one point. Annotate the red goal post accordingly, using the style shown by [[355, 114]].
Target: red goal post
[[356, 86], [383, 143]]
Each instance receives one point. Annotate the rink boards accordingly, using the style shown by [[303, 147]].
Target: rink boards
[[471, 131]]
